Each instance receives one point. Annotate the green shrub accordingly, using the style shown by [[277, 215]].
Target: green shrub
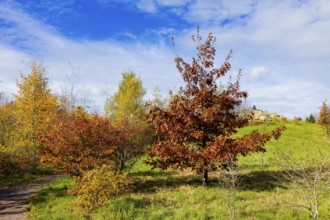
[[96, 186]]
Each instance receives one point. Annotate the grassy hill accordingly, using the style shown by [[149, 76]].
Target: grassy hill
[[180, 195]]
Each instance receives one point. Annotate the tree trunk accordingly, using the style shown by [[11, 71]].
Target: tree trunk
[[206, 171], [205, 176], [121, 166]]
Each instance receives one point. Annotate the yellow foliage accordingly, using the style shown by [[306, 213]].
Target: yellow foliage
[[32, 112], [127, 102], [35, 107], [97, 186], [7, 123]]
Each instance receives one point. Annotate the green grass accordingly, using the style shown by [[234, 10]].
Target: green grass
[[299, 140], [54, 202], [179, 195]]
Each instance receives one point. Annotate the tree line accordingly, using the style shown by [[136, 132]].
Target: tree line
[[38, 125], [193, 130]]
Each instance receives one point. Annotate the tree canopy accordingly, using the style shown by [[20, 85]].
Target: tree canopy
[[127, 102], [324, 117], [196, 128], [35, 106]]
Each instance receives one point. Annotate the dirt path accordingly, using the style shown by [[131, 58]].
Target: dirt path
[[13, 200]]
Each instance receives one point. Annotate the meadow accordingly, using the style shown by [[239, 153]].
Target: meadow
[[156, 194]]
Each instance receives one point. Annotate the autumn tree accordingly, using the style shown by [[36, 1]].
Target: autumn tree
[[198, 124], [130, 140], [127, 102], [324, 117], [7, 121], [126, 109], [8, 164], [78, 142], [35, 110]]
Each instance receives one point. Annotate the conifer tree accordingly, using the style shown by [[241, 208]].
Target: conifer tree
[[310, 119]]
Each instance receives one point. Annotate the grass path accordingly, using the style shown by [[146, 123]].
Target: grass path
[[14, 200]]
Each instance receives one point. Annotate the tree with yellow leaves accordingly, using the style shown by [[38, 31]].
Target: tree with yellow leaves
[[126, 109], [7, 123], [127, 102], [35, 109]]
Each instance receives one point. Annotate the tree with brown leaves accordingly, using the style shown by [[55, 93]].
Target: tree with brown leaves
[[196, 128], [78, 142], [324, 118]]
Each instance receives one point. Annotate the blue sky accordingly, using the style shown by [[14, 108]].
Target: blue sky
[[100, 20], [282, 47]]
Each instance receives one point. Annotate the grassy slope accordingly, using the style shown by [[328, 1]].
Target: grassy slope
[[162, 195]]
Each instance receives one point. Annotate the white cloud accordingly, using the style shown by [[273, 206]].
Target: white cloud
[[95, 62], [147, 6], [26, 31], [153, 6], [291, 98], [287, 37], [173, 2], [9, 55], [204, 11], [150, 6], [258, 72]]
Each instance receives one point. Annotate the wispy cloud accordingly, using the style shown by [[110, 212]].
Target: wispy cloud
[[96, 63], [147, 5], [153, 6], [26, 32], [150, 6], [280, 45], [206, 11], [288, 97], [173, 2], [258, 72]]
